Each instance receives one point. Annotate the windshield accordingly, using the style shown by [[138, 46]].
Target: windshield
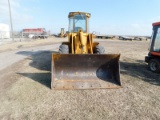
[[157, 41], [150, 43], [77, 22]]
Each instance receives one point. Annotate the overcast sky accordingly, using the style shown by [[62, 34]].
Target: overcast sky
[[118, 17]]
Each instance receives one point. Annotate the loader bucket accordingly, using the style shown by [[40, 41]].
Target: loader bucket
[[81, 71]]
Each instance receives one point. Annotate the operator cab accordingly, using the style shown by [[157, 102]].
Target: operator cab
[[78, 21], [155, 40]]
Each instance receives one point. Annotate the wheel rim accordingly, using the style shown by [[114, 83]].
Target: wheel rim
[[153, 66]]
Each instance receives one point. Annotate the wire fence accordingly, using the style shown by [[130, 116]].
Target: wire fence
[[6, 37]]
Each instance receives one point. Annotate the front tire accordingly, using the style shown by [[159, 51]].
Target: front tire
[[99, 50], [63, 49], [154, 65]]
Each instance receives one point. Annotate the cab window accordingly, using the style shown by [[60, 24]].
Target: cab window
[[156, 47]]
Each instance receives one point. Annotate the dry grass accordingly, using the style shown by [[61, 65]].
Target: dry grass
[[29, 95], [30, 43]]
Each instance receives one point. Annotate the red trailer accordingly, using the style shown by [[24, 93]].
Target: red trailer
[[35, 33], [153, 58], [34, 30]]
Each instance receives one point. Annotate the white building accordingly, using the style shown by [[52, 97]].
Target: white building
[[4, 31]]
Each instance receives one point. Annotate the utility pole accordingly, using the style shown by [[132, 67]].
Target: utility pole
[[11, 20]]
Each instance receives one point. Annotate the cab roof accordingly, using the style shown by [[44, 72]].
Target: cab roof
[[71, 14], [156, 24]]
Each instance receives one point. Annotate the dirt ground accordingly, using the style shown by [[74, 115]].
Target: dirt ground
[[25, 91]]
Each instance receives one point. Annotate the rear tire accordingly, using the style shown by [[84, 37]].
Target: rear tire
[[63, 49], [99, 50], [154, 65]]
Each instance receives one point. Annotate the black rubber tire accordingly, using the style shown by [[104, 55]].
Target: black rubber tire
[[99, 50], [63, 49], [154, 65]]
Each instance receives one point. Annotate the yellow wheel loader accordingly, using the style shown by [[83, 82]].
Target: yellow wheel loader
[[62, 33], [81, 63]]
